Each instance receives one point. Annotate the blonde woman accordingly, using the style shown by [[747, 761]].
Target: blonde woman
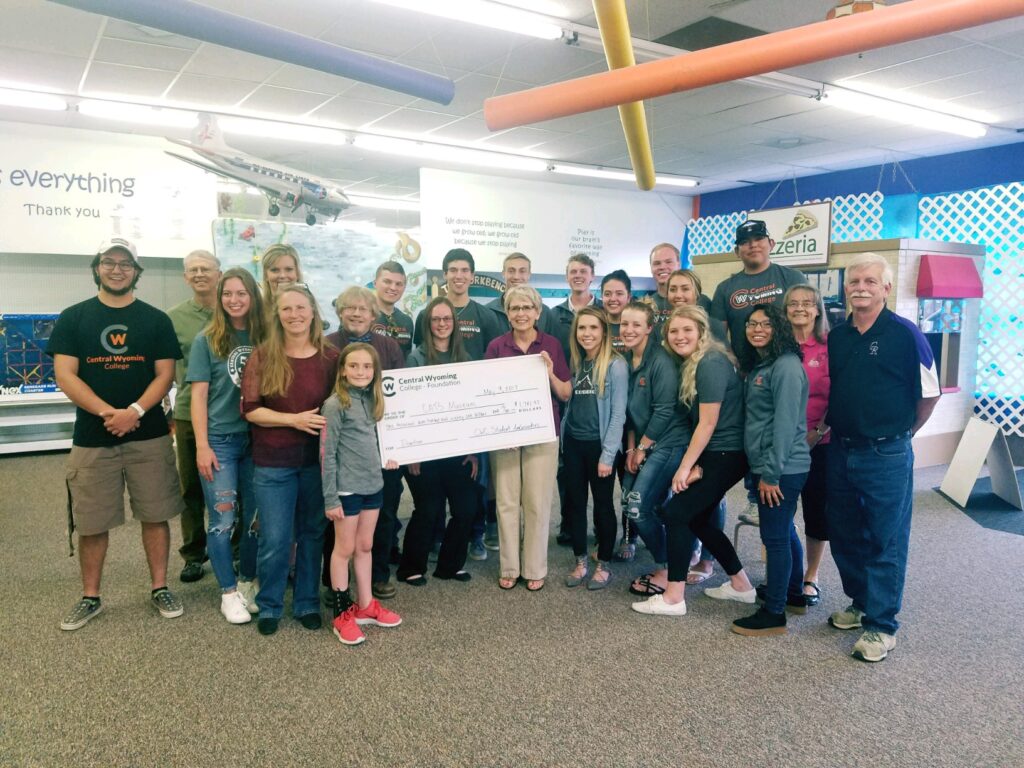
[[286, 381], [710, 387], [524, 478], [281, 266], [592, 438]]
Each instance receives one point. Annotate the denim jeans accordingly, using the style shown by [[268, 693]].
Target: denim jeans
[[290, 504], [785, 556], [645, 491], [231, 483], [870, 494]]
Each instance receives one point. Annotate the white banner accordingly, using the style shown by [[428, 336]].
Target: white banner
[[65, 191], [492, 217], [802, 233], [450, 410]]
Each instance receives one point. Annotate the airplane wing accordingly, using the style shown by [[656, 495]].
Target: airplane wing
[[226, 175]]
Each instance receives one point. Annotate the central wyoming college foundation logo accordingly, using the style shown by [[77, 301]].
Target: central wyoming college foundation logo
[[388, 385], [114, 338]]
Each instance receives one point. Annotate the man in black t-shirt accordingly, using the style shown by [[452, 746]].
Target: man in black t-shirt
[[113, 356], [389, 287]]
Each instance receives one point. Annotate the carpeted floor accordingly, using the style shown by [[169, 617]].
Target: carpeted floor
[[989, 510], [479, 677]]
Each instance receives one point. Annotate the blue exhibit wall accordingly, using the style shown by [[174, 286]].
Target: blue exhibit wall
[[929, 176]]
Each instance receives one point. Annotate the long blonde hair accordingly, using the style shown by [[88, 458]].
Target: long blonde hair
[[276, 375], [269, 258], [341, 385], [605, 354], [220, 333], [705, 343]]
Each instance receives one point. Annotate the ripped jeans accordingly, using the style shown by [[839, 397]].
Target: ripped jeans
[[643, 494], [231, 484]]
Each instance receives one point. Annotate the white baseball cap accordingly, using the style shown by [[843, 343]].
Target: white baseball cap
[[118, 242]]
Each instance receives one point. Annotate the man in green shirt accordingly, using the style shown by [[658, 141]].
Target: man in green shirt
[[202, 272]]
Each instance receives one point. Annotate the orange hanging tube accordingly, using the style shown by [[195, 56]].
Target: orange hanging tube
[[822, 40], [613, 23]]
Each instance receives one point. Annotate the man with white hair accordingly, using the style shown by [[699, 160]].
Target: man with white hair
[[202, 272], [884, 388]]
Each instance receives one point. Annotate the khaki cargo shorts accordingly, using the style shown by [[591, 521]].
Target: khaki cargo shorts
[[97, 478]]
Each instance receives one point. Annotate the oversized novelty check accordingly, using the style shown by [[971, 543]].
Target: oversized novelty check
[[450, 410]]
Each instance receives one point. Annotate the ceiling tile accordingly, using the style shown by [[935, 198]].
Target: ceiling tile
[[48, 28], [380, 29], [380, 95], [409, 121], [283, 101], [215, 61], [61, 73], [303, 79], [518, 139], [123, 30], [130, 81], [467, 129], [352, 113], [114, 51], [545, 61], [215, 92]]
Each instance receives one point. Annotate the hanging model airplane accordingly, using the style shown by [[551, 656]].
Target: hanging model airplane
[[279, 184]]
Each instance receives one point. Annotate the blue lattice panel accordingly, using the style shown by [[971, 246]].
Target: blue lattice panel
[[993, 217], [854, 218]]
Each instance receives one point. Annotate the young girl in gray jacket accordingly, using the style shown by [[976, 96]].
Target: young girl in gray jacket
[[353, 486]]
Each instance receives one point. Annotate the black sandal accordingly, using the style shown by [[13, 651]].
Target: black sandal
[[649, 587], [816, 597]]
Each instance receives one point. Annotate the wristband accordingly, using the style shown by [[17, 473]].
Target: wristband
[[138, 409]]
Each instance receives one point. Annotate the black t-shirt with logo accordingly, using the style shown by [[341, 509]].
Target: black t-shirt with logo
[[117, 349], [398, 326], [478, 325], [583, 422]]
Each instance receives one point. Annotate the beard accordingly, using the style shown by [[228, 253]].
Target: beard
[[117, 291]]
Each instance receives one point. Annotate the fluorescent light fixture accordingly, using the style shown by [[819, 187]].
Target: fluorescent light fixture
[[486, 14], [447, 153], [137, 113], [270, 129], [606, 173], [384, 203], [885, 109], [916, 100], [10, 97]]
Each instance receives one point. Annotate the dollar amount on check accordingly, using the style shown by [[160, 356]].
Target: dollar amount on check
[[450, 410]]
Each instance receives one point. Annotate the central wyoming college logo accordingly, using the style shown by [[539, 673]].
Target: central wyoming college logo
[[114, 338], [388, 385]]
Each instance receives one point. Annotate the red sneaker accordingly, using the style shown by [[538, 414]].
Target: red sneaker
[[375, 613], [347, 630]]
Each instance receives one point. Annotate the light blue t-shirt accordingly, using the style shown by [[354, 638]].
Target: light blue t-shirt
[[224, 415]]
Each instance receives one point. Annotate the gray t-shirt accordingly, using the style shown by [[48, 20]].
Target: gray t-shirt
[[224, 416], [719, 382], [583, 422], [738, 296]]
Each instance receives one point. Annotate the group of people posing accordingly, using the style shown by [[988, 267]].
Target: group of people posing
[[677, 396]]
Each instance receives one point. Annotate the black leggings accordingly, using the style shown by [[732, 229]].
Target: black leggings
[[441, 480], [691, 514], [813, 496], [580, 458]]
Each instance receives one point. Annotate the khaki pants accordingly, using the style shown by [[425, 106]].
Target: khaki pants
[[524, 482]]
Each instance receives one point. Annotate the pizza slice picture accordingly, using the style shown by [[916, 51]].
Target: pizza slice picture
[[803, 221]]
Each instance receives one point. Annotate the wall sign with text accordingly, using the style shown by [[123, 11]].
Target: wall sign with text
[[802, 233]]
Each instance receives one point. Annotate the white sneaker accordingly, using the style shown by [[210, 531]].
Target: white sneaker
[[232, 605], [655, 605], [873, 646], [248, 590], [726, 592]]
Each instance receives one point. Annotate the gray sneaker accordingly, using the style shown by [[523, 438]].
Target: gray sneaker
[[491, 537], [169, 606], [751, 515], [477, 550], [847, 619], [873, 646], [249, 590], [80, 614]]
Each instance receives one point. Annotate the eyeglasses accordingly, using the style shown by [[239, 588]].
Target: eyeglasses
[[200, 271], [442, 320], [360, 308], [801, 304], [766, 324], [112, 266], [521, 308]]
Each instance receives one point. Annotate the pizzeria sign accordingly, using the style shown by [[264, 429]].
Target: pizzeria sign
[[802, 233]]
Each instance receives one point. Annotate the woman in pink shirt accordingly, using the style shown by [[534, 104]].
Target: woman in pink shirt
[[806, 314]]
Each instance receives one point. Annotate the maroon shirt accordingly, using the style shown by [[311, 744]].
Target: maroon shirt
[[312, 383], [505, 346], [388, 350]]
